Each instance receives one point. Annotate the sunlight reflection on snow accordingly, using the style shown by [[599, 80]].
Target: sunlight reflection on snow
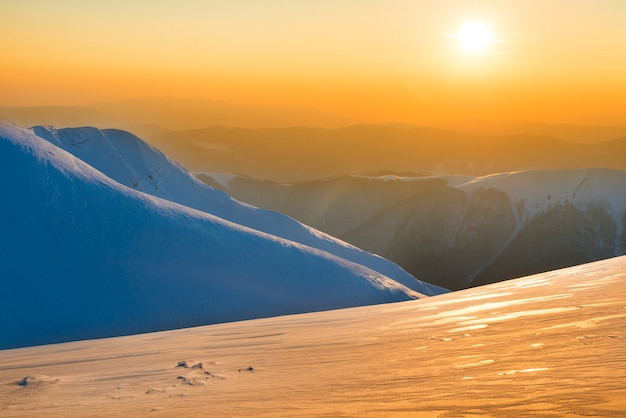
[[479, 363], [588, 323], [468, 328], [519, 314], [530, 370]]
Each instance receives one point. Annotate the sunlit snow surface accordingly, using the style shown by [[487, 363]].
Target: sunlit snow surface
[[546, 345], [83, 256]]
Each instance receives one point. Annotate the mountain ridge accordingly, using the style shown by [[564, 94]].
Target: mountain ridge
[[305, 154]]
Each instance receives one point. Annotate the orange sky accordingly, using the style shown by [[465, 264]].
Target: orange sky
[[375, 61]]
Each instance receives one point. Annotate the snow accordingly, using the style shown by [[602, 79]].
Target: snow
[[541, 189], [133, 163], [583, 185], [534, 186], [83, 256], [544, 345]]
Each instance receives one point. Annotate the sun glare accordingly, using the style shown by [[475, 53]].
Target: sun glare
[[474, 38]]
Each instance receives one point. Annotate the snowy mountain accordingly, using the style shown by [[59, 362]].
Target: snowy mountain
[[83, 256], [128, 160], [460, 231]]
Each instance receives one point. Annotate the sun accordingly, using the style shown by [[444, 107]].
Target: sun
[[475, 38]]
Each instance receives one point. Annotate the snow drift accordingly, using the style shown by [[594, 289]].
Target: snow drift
[[83, 256]]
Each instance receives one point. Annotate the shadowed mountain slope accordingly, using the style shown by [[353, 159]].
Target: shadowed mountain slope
[[460, 231]]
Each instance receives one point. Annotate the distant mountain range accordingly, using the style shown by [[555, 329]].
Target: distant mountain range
[[302, 154], [460, 231], [583, 134], [90, 251], [148, 116], [290, 144]]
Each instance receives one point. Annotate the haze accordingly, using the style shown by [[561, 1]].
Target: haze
[[373, 62], [218, 173]]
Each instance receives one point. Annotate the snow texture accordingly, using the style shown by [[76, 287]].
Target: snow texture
[[548, 345]]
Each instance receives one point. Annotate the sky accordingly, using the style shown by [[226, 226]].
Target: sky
[[374, 61]]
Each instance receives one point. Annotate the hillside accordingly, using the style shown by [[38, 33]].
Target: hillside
[[460, 231]]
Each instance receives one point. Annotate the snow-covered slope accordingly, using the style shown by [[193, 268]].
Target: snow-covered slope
[[550, 345], [458, 231], [133, 163], [82, 256]]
